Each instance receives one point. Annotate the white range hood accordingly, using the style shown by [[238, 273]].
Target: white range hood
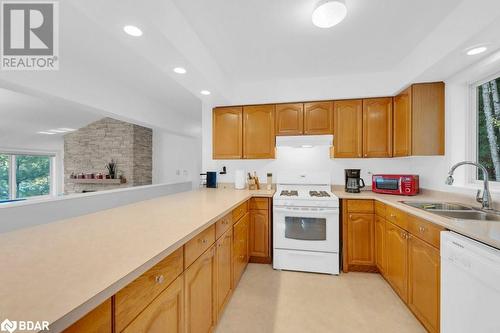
[[304, 141]]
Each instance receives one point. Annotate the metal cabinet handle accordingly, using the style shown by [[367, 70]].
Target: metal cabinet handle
[[421, 229], [159, 279], [204, 241]]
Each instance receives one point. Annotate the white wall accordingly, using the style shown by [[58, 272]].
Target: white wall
[[176, 158]]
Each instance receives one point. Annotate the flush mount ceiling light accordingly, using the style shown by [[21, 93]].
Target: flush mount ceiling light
[[180, 70], [46, 133], [205, 92], [132, 30], [329, 13], [476, 50]]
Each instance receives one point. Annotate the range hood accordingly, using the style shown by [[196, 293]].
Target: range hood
[[304, 141]]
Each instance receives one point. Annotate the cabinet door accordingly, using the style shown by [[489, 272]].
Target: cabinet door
[[318, 118], [200, 293], [428, 119], [290, 119], [396, 249], [258, 132], [402, 124], [240, 248], [377, 127], [424, 282], [96, 321], [348, 129], [360, 233], [380, 243], [224, 270], [259, 233], [227, 133], [164, 314]]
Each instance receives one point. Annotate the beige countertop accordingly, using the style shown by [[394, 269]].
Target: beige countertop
[[57, 272], [487, 232]]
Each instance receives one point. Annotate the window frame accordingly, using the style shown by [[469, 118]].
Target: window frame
[[473, 132], [12, 175]]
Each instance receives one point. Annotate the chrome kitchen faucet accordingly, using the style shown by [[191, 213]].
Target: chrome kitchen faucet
[[485, 200]]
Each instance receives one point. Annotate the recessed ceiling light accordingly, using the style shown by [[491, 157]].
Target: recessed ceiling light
[[205, 92], [180, 70], [476, 50], [329, 13], [132, 30], [47, 133]]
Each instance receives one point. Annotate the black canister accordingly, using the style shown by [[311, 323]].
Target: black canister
[[211, 179]]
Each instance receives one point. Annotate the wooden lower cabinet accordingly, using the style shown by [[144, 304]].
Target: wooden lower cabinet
[[240, 247], [200, 293], [424, 282], [164, 314], [396, 248], [98, 320], [380, 243], [360, 233], [224, 253], [259, 246]]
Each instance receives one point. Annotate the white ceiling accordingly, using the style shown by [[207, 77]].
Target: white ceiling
[[263, 40], [22, 116]]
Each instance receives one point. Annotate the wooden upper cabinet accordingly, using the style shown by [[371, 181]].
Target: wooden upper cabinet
[[402, 124], [258, 132], [290, 119], [348, 129], [396, 265], [227, 133], [427, 100], [318, 118], [164, 314], [377, 127], [424, 282]]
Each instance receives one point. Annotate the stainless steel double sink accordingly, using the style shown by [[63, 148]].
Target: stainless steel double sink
[[455, 211]]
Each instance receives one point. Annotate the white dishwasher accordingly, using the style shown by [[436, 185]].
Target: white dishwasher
[[470, 285]]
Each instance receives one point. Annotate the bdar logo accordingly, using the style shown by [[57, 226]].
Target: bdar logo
[[8, 326]]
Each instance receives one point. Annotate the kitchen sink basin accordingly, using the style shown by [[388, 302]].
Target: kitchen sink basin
[[431, 206], [455, 211], [469, 215]]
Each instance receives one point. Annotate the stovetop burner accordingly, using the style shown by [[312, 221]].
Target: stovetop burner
[[320, 194], [289, 193]]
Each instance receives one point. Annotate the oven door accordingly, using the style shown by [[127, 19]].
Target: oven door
[[306, 228]]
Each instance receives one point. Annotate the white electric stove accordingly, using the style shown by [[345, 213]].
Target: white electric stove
[[306, 224]]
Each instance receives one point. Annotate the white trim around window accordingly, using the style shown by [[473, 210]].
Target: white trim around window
[[472, 134], [12, 153]]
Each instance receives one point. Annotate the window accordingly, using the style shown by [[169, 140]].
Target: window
[[25, 176], [488, 128]]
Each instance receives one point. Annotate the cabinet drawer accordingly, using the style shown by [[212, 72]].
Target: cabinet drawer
[[397, 217], [360, 206], [259, 204], [199, 244], [223, 225], [380, 209], [424, 230], [132, 299], [240, 211]]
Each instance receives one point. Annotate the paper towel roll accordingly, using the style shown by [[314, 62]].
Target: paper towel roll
[[239, 180]]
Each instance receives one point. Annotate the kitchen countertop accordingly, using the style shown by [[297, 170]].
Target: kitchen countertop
[[487, 232], [59, 271]]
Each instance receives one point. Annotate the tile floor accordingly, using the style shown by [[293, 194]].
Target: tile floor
[[280, 301]]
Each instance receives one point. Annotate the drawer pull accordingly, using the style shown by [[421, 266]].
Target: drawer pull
[[421, 229], [203, 241], [159, 279], [393, 215]]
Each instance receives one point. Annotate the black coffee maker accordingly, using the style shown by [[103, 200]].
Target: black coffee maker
[[353, 180]]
